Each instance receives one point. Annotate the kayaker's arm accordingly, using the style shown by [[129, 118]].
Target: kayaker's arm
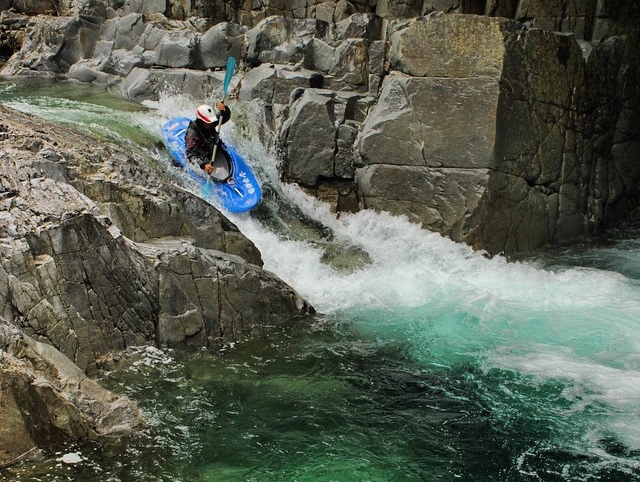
[[225, 114]]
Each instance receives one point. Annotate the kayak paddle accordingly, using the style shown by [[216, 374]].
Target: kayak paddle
[[231, 66]]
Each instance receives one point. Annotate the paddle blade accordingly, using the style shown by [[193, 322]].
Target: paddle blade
[[231, 67]]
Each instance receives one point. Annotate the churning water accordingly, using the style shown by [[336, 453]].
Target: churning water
[[428, 361]]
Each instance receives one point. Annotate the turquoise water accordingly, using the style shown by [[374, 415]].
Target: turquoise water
[[429, 362]]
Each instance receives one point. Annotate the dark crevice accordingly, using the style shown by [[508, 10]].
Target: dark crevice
[[475, 7]]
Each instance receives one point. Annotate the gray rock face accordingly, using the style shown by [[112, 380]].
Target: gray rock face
[[451, 46], [91, 263], [223, 34], [144, 84], [313, 119], [282, 40], [557, 162], [432, 121], [47, 399], [204, 295], [74, 279], [273, 84], [428, 142], [74, 289], [511, 116], [53, 44], [450, 100], [317, 136], [128, 30], [176, 50]]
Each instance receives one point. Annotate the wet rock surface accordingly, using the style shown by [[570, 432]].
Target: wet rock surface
[[100, 253]]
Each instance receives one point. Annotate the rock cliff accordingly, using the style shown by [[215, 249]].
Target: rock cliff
[[100, 253], [504, 125]]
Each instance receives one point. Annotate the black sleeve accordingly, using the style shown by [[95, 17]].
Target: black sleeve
[[195, 154], [226, 115]]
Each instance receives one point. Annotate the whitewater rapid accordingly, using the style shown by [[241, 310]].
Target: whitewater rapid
[[529, 327]]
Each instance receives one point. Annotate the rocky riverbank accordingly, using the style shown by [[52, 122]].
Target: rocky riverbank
[[99, 253]]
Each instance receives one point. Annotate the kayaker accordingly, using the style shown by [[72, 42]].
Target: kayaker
[[202, 134]]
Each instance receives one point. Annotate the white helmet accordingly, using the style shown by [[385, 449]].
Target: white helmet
[[206, 113]]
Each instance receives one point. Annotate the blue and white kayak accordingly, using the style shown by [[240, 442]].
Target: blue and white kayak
[[231, 182]]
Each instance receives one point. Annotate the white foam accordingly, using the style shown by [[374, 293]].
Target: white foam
[[590, 386], [71, 458], [577, 325], [173, 105], [417, 265]]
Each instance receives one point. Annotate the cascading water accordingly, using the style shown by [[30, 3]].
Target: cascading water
[[428, 362]]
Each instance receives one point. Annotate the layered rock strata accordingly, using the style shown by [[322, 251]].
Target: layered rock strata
[[99, 252]]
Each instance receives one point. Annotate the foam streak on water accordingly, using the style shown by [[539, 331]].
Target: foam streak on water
[[577, 326]]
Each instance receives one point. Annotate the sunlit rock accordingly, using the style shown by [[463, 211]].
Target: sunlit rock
[[47, 399], [76, 274], [219, 43], [282, 40]]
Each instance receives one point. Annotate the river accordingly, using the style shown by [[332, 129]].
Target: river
[[427, 361]]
